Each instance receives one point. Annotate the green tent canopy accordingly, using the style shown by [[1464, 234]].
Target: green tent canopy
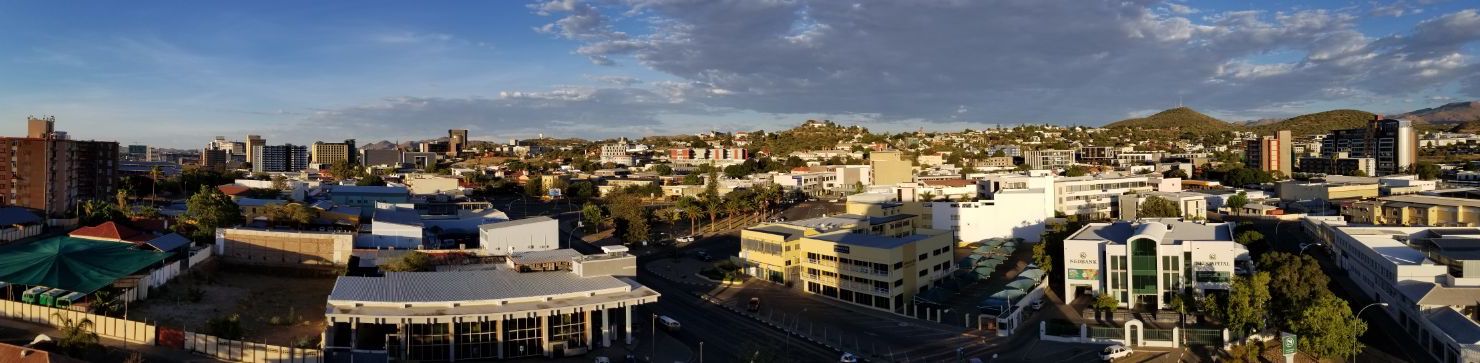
[[72, 264], [1022, 284]]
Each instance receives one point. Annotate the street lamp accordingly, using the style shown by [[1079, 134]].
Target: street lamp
[[653, 327], [1359, 316]]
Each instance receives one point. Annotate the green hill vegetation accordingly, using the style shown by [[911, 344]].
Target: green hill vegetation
[[1317, 123], [1181, 119], [812, 135]]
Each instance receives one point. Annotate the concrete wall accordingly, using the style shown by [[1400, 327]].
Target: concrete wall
[[505, 240], [284, 249]]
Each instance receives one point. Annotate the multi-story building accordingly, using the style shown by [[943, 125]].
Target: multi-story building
[[457, 140], [253, 143], [1143, 264], [1339, 164], [1421, 273], [1098, 154], [381, 157], [1189, 204], [890, 167], [51, 173], [1415, 210], [1095, 198], [138, 153], [1048, 159], [879, 262], [1271, 153], [1013, 207], [814, 183], [333, 152], [214, 159], [1393, 144], [553, 305], [716, 156], [279, 158]]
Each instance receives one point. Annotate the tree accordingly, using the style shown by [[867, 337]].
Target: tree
[[629, 215], [1426, 170], [857, 187], [1248, 237], [692, 179], [1327, 328], [227, 327], [295, 214], [1238, 201], [279, 182], [371, 181], [415, 261], [344, 170], [1042, 257], [122, 198], [1175, 173], [1107, 304], [1158, 207], [692, 208], [927, 196], [94, 211], [533, 187], [591, 215], [76, 336], [1179, 305], [1076, 170], [1245, 176], [154, 173], [209, 209], [1248, 302], [710, 197], [664, 169], [1296, 279], [766, 196]]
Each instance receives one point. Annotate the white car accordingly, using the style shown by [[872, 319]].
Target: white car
[[669, 323], [1036, 305], [1115, 351], [603, 359], [848, 358]]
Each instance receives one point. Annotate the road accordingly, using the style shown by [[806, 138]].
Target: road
[[727, 336]]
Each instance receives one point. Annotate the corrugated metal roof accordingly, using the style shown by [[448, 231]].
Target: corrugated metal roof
[[450, 286], [516, 222], [169, 242]]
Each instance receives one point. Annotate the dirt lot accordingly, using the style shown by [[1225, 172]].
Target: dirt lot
[[280, 309]]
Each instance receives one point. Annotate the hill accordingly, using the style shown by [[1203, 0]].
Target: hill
[[1180, 119], [1317, 123], [1450, 113], [1468, 127]]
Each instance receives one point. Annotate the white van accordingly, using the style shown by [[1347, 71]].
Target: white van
[[669, 323]]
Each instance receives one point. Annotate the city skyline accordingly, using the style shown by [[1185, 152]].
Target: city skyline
[[176, 74]]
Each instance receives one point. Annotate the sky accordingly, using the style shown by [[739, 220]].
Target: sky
[[177, 73]]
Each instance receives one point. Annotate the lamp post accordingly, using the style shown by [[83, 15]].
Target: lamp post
[[653, 327], [701, 351], [1359, 316]]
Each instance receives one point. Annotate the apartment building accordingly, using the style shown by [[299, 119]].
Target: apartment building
[[214, 159], [877, 262], [1144, 263], [1048, 159], [1420, 272], [1093, 197], [1339, 164], [279, 158], [1415, 210], [1012, 207], [1104, 155], [890, 167], [51, 173], [716, 156], [330, 153], [617, 152], [1271, 153], [1393, 144], [814, 183], [457, 140]]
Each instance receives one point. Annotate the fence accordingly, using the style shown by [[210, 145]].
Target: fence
[[15, 233], [1207, 337], [1165, 335], [138, 332], [242, 351], [199, 257]]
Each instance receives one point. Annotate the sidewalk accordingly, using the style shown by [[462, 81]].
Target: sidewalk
[[151, 353]]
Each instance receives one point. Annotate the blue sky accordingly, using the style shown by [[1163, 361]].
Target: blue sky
[[176, 73]]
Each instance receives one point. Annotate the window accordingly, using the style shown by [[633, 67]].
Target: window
[[923, 256], [924, 271]]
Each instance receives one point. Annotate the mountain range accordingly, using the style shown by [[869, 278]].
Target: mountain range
[[1450, 116]]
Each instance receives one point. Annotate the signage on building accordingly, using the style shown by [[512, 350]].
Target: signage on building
[[1082, 274], [840, 249]]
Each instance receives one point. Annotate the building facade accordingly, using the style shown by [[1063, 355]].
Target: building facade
[[333, 152], [50, 173], [1393, 144], [1095, 198], [1012, 208], [1143, 264], [279, 158], [890, 167], [1271, 153], [507, 238], [457, 140], [1048, 159]]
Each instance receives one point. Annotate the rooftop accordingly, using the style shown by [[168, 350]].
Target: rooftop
[[869, 240], [516, 222], [111, 231], [454, 286], [397, 215], [1382, 240], [1431, 200], [1170, 230], [355, 189]]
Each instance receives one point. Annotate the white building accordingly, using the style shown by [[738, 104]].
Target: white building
[[521, 235], [812, 183], [1015, 208], [1147, 262], [394, 227], [1094, 197], [1420, 273]]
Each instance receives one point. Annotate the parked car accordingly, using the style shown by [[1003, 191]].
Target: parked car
[[669, 323], [603, 359], [754, 305], [686, 239], [704, 255], [1115, 351], [848, 358]]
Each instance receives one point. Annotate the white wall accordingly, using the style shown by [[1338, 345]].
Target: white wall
[[1013, 213], [499, 239], [391, 235]]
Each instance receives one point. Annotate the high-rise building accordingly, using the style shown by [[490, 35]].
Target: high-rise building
[[890, 168], [381, 157], [213, 159], [279, 158], [254, 142], [456, 141], [51, 173], [1271, 153], [329, 153], [1392, 143]]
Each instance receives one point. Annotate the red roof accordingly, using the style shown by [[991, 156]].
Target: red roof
[[110, 231], [233, 189], [948, 182]]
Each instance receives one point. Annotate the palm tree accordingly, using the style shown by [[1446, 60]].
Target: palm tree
[[154, 172], [76, 335], [768, 194], [927, 196], [690, 206]]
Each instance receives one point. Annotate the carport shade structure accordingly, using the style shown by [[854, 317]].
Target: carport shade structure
[[72, 264]]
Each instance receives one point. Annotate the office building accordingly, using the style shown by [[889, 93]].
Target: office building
[[1336, 189], [279, 158], [1104, 155], [1096, 198], [1189, 204], [214, 159], [1420, 272], [877, 262], [1393, 144], [330, 153], [434, 147], [51, 173], [1048, 159], [1143, 264], [457, 140], [1013, 207], [1339, 164], [713, 156], [813, 183], [138, 153], [253, 143], [308, 250], [553, 305], [1415, 210], [617, 152], [387, 157], [890, 168], [1271, 153]]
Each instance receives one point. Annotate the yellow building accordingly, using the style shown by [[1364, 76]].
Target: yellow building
[[1415, 210], [890, 167], [1297, 190], [329, 153], [879, 262]]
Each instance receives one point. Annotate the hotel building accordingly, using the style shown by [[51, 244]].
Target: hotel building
[[1144, 263]]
